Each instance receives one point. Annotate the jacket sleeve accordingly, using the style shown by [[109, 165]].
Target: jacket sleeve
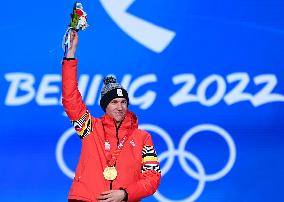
[[72, 101], [150, 174]]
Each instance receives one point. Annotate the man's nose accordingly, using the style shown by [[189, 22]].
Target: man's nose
[[119, 106]]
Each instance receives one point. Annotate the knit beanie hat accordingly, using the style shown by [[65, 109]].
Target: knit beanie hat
[[110, 91]]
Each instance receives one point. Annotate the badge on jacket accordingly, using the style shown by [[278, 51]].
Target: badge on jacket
[[107, 146]]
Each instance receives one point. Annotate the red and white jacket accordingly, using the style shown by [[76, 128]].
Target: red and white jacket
[[137, 165]]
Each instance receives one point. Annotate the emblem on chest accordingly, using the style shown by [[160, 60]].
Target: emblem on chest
[[107, 146]]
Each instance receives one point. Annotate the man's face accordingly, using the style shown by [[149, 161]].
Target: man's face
[[117, 109]]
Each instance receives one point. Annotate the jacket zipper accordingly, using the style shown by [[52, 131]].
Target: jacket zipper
[[116, 134], [117, 139]]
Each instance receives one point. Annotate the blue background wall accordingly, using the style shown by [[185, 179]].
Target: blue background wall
[[211, 96]]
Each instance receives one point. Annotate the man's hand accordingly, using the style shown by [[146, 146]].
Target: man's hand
[[112, 196], [73, 44]]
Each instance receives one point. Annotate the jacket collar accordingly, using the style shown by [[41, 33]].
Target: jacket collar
[[130, 121]]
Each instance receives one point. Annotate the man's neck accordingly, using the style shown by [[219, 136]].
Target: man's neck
[[118, 123]]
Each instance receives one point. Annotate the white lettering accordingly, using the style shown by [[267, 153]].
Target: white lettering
[[237, 94], [21, 90], [126, 81], [147, 99], [45, 88], [220, 91], [183, 95], [19, 82], [265, 95]]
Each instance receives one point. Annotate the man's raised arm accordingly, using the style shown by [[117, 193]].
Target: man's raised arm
[[71, 97]]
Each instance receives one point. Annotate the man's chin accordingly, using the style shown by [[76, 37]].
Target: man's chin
[[119, 118]]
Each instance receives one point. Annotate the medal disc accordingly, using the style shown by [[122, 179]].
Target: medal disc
[[110, 173]]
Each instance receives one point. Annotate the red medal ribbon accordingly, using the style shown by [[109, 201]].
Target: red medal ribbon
[[115, 154]]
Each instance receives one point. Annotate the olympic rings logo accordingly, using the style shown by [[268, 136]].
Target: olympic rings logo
[[182, 155], [170, 155]]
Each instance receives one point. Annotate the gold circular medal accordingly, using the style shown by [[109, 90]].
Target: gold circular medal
[[110, 173]]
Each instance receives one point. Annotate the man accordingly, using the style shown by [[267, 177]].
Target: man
[[118, 161]]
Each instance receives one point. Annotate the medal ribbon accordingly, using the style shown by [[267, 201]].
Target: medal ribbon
[[115, 154]]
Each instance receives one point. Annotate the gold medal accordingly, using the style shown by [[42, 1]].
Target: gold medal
[[110, 173]]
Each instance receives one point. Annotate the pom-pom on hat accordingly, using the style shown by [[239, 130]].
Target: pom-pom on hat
[[110, 91]]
